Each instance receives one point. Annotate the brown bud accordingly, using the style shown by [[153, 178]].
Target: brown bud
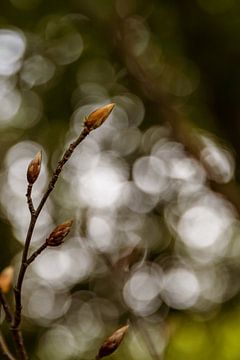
[[112, 343], [34, 168], [6, 279], [59, 233], [97, 117]]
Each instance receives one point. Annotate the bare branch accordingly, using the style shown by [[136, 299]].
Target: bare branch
[[19, 344], [29, 199], [36, 253], [17, 335], [34, 217], [94, 120]]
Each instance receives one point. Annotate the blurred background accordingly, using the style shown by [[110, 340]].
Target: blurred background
[[154, 193]]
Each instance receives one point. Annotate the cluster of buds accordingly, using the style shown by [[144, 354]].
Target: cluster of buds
[[97, 117], [112, 343], [34, 168], [6, 279], [59, 233]]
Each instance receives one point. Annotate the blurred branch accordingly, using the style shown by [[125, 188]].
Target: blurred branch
[[4, 349], [140, 327], [150, 86], [184, 133]]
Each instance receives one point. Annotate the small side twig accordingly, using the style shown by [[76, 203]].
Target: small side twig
[[6, 308], [36, 253], [17, 335], [3, 345]]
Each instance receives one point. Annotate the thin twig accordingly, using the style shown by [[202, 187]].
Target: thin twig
[[17, 335], [3, 345], [34, 216], [19, 344], [4, 349], [60, 165], [36, 253], [6, 307], [29, 199]]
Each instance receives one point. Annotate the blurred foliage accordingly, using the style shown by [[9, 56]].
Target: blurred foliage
[[154, 192]]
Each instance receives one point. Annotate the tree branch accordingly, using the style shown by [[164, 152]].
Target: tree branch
[[26, 262], [29, 199], [36, 253], [17, 335], [93, 121]]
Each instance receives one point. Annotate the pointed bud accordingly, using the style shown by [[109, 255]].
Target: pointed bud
[[112, 343], [59, 233], [97, 117], [6, 279], [34, 168]]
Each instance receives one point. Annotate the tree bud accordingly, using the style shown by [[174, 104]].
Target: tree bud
[[112, 343], [34, 168], [6, 279], [59, 233], [97, 117]]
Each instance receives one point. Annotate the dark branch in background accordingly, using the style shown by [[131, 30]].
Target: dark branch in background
[[183, 130], [94, 120]]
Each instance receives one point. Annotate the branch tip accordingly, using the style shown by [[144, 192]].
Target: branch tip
[[34, 168], [98, 116], [59, 233], [112, 342]]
